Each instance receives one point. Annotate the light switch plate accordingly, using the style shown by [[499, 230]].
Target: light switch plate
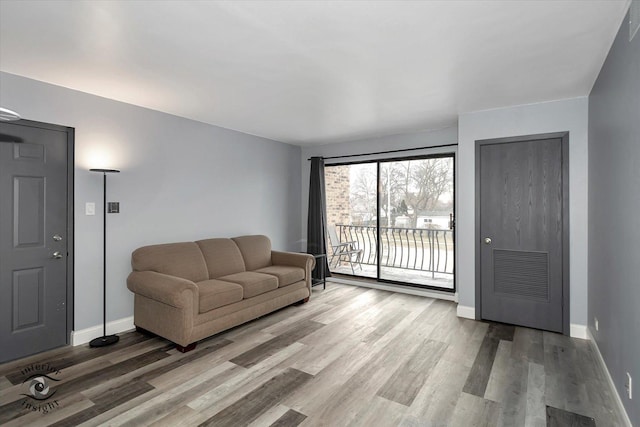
[[90, 208]]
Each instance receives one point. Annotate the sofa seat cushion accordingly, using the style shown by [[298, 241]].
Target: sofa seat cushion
[[253, 283], [286, 275], [217, 293]]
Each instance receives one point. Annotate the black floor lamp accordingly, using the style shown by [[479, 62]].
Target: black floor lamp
[[105, 339]]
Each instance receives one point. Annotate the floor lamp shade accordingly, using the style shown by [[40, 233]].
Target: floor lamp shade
[[105, 339]]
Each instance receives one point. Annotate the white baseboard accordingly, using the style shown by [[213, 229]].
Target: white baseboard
[[466, 312], [578, 331], [618, 400], [83, 336], [395, 288]]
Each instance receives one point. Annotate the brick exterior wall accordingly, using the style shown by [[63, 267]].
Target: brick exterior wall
[[337, 189]]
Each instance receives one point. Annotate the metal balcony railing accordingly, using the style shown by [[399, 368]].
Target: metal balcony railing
[[421, 249]]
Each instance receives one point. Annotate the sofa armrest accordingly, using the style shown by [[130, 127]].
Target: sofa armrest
[[174, 291], [294, 259]]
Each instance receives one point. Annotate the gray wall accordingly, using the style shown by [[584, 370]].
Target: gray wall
[[614, 209], [181, 180], [386, 143], [548, 117]]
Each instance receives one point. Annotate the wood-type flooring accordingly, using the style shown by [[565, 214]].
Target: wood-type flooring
[[351, 356]]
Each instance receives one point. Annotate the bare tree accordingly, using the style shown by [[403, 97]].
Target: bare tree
[[363, 194], [392, 183], [407, 187], [429, 180]]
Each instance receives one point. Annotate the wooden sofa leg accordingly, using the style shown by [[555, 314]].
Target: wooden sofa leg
[[187, 348], [302, 301]]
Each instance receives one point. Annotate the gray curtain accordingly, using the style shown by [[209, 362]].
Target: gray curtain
[[317, 221]]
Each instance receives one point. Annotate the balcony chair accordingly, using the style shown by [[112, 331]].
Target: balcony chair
[[344, 250]]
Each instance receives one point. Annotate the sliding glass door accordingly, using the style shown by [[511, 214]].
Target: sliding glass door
[[415, 211], [392, 220]]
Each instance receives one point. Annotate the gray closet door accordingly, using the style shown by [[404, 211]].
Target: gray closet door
[[521, 227], [33, 240]]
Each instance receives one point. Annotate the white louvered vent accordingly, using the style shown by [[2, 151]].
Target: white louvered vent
[[634, 18]]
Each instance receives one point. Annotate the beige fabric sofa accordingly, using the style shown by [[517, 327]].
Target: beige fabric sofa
[[188, 291]]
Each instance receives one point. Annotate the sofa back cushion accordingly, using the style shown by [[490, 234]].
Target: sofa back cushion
[[256, 251], [222, 257], [175, 259]]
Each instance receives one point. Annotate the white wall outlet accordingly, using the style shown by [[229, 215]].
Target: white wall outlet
[[90, 208], [596, 323], [629, 386]]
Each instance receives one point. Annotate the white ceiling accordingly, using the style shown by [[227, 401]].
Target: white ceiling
[[313, 72]]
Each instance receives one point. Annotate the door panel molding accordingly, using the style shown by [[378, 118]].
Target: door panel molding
[[30, 282], [564, 137]]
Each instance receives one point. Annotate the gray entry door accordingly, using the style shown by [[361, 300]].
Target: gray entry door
[[521, 232], [33, 240]]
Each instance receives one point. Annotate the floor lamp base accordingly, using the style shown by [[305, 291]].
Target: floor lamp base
[[104, 341]]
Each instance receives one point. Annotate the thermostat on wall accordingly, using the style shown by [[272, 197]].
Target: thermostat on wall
[[113, 207]]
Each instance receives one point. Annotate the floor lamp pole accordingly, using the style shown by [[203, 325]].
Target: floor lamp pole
[[105, 339]]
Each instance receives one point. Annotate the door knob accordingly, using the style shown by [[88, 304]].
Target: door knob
[[57, 237], [57, 255], [487, 240]]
